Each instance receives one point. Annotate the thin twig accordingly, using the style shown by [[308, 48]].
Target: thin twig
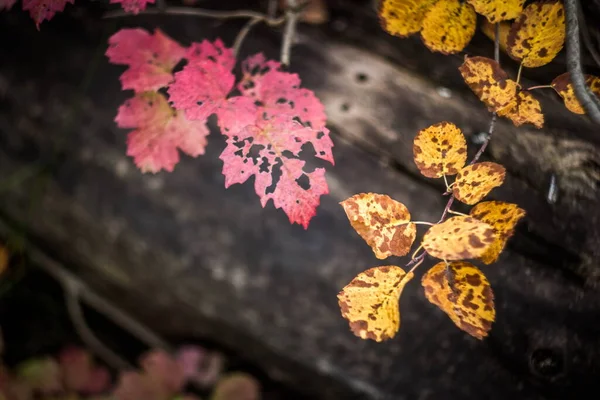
[[72, 292], [416, 261], [272, 8], [290, 31], [84, 293], [198, 12], [239, 39], [589, 101]]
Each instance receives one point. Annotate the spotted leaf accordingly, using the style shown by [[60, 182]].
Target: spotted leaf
[[449, 26], [537, 36], [502, 217], [475, 181], [370, 302], [489, 82], [440, 149], [458, 238], [463, 292], [403, 17], [564, 87], [523, 109], [382, 222], [498, 10]]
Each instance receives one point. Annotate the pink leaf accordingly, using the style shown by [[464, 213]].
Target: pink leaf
[[7, 4], [201, 88], [98, 381], [44, 9], [76, 366], [263, 148], [136, 386], [199, 365], [161, 367], [151, 58], [159, 132], [216, 52], [133, 6], [279, 92]]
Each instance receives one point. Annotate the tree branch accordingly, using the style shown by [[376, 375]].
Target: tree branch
[[198, 12], [588, 99]]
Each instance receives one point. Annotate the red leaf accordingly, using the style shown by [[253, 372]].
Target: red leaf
[[160, 130], [133, 6], [44, 9], [258, 150], [151, 58]]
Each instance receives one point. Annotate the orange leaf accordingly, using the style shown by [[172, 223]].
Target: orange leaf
[[463, 292], [502, 217], [538, 34], [474, 182], [382, 222], [440, 149], [524, 109], [403, 17], [564, 87], [498, 10], [449, 26], [370, 302], [458, 238], [488, 81]]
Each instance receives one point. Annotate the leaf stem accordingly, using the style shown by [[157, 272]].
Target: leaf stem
[[239, 39], [458, 213], [539, 87], [519, 73]]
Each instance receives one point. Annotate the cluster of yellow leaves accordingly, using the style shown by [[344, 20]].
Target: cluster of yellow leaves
[[500, 94], [370, 302], [446, 26]]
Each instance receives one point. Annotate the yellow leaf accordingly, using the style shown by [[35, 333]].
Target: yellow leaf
[[449, 26], [488, 81], [502, 217], [498, 10], [440, 149], [382, 222], [3, 259], [489, 30], [537, 36], [564, 87], [475, 181], [463, 292], [458, 238], [370, 302], [524, 109], [403, 17]]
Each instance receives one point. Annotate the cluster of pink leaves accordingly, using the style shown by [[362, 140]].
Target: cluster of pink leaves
[[41, 10], [72, 373], [266, 125]]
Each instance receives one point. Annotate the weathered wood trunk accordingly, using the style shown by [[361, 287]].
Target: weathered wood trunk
[[192, 259]]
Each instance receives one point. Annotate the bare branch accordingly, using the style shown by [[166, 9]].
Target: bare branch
[[290, 31], [239, 39], [588, 99], [198, 12]]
